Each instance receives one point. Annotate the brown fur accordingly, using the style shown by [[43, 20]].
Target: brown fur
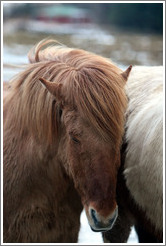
[[62, 147], [6, 89]]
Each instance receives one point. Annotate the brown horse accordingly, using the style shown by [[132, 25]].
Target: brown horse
[[62, 141]]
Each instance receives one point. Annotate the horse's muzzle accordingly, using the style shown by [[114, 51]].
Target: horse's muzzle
[[99, 223]]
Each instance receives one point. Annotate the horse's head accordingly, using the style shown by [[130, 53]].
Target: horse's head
[[90, 102]]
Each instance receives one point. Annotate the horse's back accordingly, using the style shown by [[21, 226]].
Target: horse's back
[[144, 135]]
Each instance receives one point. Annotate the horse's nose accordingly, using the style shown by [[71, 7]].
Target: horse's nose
[[100, 223]]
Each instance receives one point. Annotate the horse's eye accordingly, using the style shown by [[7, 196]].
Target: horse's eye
[[75, 140]]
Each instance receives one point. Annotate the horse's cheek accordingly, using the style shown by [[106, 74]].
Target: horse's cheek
[[78, 164], [74, 160]]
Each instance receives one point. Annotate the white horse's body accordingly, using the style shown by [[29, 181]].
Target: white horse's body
[[144, 136]]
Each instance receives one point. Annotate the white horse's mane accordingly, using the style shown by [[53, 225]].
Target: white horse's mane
[[144, 135]]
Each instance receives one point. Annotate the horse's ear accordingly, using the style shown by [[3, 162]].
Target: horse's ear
[[126, 73], [53, 88]]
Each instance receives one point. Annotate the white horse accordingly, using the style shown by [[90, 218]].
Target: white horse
[[140, 188]]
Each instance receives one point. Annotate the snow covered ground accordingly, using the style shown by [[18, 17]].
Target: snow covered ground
[[87, 236]]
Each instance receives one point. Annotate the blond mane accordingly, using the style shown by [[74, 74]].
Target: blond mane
[[92, 84]]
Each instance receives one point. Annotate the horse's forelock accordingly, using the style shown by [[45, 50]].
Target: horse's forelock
[[99, 96]]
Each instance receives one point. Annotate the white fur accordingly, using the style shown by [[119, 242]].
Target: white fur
[[144, 158]]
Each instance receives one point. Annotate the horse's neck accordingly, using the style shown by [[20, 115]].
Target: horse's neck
[[33, 167]]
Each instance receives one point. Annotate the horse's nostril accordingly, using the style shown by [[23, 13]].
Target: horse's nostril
[[93, 215]]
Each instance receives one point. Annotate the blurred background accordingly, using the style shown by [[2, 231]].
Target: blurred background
[[127, 33]]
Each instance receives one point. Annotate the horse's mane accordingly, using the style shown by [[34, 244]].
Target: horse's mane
[[91, 84]]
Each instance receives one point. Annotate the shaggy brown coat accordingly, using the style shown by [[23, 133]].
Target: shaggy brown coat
[[61, 149]]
